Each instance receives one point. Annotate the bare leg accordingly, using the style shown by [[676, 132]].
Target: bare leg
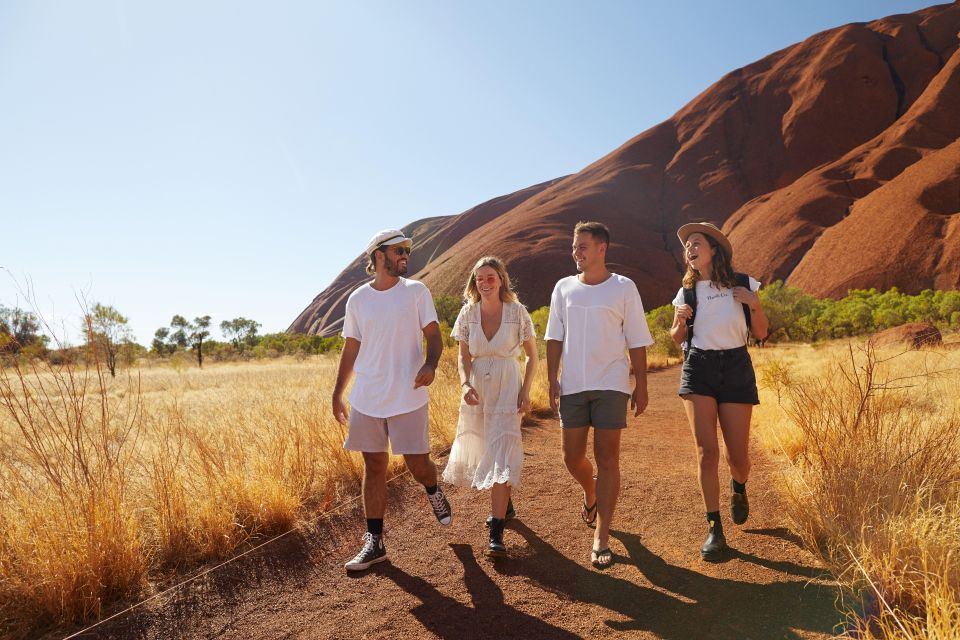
[[499, 496], [422, 468], [735, 426], [606, 449], [575, 457], [375, 483], [702, 416]]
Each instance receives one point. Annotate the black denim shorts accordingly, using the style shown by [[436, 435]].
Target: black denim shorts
[[725, 375]]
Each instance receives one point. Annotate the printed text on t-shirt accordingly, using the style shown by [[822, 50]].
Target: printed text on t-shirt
[[719, 295]]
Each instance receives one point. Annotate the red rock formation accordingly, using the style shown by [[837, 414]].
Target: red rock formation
[[916, 335], [832, 164]]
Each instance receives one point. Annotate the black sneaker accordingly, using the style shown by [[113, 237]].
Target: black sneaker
[[510, 515], [372, 552], [714, 546], [739, 507], [441, 508]]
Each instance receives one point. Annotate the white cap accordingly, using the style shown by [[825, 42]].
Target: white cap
[[386, 238]]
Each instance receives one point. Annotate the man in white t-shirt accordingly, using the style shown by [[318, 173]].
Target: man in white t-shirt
[[595, 317], [384, 326]]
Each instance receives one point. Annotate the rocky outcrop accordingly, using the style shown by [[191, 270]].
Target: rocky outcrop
[[915, 335], [831, 164]]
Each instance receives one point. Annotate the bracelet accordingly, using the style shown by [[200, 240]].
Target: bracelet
[[467, 382]]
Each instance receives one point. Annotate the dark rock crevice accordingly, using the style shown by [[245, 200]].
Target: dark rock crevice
[[926, 45], [898, 85]]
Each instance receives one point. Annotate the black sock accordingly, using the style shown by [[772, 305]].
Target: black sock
[[713, 517], [375, 526], [738, 487], [431, 490]]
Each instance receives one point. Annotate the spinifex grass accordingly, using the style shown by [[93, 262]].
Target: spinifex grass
[[103, 480], [872, 441]]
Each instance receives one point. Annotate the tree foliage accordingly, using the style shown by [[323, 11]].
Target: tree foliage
[[241, 332], [20, 332], [107, 332]]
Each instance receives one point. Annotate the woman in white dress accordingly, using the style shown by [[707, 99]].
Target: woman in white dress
[[492, 329]]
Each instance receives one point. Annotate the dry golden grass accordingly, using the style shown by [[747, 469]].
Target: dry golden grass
[[103, 481], [871, 445]]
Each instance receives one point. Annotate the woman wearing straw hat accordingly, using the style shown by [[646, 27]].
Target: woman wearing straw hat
[[716, 310]]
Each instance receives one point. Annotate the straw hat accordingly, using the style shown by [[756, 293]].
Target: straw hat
[[706, 229]]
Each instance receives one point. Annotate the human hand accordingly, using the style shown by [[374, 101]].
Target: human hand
[[747, 297], [639, 400], [681, 314], [339, 410], [470, 395], [424, 377], [523, 403], [554, 396]]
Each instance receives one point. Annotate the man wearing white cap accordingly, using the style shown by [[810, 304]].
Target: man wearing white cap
[[384, 326]]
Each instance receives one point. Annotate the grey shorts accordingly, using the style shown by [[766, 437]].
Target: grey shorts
[[407, 433], [604, 409]]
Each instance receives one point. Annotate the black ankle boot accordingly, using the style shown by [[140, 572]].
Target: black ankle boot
[[739, 505], [715, 545], [511, 513], [496, 548]]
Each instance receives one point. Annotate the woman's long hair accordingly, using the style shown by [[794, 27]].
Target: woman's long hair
[[721, 272], [472, 294]]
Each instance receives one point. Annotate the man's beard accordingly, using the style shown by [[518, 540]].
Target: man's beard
[[393, 267]]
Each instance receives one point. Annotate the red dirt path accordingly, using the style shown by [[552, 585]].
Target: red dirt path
[[438, 584]]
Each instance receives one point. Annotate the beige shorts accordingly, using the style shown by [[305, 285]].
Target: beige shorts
[[407, 433]]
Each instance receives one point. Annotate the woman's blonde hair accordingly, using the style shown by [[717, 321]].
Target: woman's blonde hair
[[721, 272], [472, 294]]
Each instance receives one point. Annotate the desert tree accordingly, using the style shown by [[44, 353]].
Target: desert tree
[[19, 330], [161, 345], [239, 331], [178, 337], [198, 332], [107, 331]]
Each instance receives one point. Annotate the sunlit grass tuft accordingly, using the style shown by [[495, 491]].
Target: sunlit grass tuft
[[871, 445]]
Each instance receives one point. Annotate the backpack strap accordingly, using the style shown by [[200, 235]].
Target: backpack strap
[[743, 280], [690, 299]]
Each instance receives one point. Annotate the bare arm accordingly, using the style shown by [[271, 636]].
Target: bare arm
[[554, 353], [348, 357], [639, 398], [465, 366], [678, 331], [530, 370], [759, 324], [434, 348]]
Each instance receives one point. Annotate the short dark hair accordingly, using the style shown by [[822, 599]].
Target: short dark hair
[[598, 230]]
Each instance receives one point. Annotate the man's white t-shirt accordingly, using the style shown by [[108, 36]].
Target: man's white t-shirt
[[719, 322], [596, 323], [389, 325]]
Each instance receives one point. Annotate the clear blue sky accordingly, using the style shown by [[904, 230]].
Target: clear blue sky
[[230, 158]]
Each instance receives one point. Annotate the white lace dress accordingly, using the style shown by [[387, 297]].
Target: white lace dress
[[488, 448]]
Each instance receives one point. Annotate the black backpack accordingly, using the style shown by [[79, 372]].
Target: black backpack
[[690, 298]]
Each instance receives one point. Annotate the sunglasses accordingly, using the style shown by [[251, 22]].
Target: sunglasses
[[397, 250]]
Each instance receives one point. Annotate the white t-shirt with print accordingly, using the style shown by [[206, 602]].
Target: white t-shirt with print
[[596, 324], [719, 322], [389, 325]]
